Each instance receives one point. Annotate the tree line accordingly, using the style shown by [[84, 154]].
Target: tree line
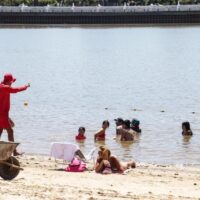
[[93, 2]]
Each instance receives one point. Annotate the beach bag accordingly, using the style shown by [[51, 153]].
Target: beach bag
[[76, 165]]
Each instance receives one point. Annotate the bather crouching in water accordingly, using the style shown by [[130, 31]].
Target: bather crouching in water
[[127, 134], [107, 164], [186, 129]]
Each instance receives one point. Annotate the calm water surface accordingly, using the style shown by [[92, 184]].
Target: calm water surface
[[75, 73]]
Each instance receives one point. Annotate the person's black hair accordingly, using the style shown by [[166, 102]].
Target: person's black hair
[[127, 123], [106, 122], [186, 125], [119, 120], [81, 128]]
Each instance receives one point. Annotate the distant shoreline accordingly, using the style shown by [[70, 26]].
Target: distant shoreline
[[121, 15]]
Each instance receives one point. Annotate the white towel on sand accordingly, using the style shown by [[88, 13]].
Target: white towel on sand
[[65, 151]]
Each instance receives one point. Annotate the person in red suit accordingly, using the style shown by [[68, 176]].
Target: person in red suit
[[81, 134], [5, 91]]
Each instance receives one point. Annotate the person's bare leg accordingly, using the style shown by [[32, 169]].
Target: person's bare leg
[[10, 134], [80, 154], [1, 131], [11, 139], [131, 164]]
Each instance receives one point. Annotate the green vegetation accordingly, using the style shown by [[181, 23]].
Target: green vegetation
[[28, 2], [92, 2]]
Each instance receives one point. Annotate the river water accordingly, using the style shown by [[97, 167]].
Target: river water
[[81, 76]]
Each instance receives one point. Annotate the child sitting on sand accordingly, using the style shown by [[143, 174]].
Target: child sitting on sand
[[81, 134], [101, 133], [186, 129]]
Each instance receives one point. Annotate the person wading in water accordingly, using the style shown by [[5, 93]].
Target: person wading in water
[[5, 91]]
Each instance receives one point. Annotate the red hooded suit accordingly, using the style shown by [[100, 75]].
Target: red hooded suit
[[5, 91]]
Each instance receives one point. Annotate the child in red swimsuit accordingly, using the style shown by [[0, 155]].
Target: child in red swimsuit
[[81, 134]]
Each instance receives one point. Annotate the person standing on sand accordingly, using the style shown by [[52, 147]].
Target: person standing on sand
[[5, 91]]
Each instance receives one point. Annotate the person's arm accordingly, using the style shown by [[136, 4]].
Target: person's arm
[[80, 154], [11, 122], [118, 130], [189, 132], [99, 166], [98, 133], [131, 135], [122, 138], [17, 89]]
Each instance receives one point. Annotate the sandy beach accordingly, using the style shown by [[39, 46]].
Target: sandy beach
[[45, 179]]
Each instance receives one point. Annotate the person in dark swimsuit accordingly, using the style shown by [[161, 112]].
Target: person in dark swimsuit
[[186, 129]]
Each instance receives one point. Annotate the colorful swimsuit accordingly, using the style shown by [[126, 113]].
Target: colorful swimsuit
[[101, 137], [80, 137]]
